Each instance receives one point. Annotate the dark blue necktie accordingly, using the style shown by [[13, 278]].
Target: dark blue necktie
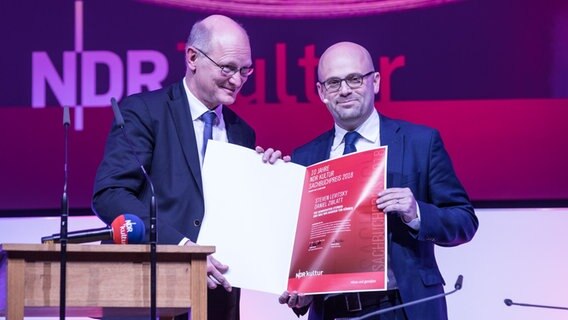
[[209, 119], [352, 299], [350, 139]]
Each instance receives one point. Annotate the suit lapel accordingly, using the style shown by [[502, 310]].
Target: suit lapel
[[234, 132], [181, 117], [391, 137], [321, 149]]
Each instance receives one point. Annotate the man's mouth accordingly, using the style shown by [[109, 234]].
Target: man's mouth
[[229, 90], [345, 101]]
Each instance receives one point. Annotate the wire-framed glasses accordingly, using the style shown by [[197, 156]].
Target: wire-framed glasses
[[229, 70]]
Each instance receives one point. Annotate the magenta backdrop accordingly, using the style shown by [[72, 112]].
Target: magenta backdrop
[[493, 84]]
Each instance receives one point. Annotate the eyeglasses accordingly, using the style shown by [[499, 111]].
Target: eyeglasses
[[353, 81], [228, 70]]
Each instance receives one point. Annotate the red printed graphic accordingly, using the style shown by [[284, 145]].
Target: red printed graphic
[[340, 240]]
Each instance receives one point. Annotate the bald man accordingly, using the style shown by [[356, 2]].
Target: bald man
[[425, 203], [169, 129]]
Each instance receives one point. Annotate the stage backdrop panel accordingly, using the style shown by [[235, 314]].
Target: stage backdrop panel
[[516, 254]]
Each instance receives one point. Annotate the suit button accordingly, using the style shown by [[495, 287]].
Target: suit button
[[196, 222]]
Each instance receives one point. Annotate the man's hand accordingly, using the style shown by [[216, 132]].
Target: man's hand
[[399, 201], [295, 300], [215, 271], [271, 155]]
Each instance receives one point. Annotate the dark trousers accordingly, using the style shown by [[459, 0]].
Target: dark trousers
[[221, 305], [340, 306]]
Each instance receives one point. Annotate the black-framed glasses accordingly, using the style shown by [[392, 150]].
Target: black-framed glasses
[[229, 70], [353, 81]]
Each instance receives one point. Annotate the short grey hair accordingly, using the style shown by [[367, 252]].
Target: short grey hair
[[199, 37]]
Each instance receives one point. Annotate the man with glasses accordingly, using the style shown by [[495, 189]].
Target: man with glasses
[[169, 129], [425, 203]]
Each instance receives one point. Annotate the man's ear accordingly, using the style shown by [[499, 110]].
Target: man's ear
[[321, 92], [190, 58], [376, 82]]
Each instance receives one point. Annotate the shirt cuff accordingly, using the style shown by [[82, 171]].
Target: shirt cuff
[[186, 240], [414, 223]]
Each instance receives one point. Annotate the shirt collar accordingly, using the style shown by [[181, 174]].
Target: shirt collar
[[369, 130], [196, 107]]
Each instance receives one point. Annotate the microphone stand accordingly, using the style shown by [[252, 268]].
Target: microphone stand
[[153, 251], [64, 218], [457, 287], [510, 302], [153, 214]]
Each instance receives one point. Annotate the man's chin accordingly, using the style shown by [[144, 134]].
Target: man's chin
[[227, 100], [349, 115]]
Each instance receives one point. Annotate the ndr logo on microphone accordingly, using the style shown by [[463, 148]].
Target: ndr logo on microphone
[[125, 229]]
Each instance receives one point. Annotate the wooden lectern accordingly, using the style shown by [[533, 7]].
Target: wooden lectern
[[102, 280]]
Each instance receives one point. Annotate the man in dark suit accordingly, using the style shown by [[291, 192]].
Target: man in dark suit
[[425, 203], [169, 129]]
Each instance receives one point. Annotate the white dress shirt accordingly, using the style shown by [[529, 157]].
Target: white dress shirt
[[197, 109]]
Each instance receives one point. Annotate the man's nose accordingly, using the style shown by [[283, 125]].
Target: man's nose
[[237, 80], [344, 88]]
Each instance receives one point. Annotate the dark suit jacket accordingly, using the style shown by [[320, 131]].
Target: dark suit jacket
[[417, 160], [160, 127]]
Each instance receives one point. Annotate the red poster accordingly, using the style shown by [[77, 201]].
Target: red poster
[[340, 242]]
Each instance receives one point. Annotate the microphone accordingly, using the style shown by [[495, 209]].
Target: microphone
[[120, 123], [510, 302], [153, 214], [124, 229], [457, 287], [117, 115]]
